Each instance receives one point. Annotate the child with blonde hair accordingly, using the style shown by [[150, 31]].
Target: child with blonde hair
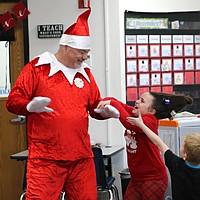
[[184, 170]]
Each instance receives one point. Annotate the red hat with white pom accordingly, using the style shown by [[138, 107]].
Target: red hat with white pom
[[77, 35]]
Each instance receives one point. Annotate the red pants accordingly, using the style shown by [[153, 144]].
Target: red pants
[[146, 190], [46, 179]]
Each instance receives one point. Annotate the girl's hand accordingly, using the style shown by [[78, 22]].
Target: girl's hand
[[106, 110], [102, 104], [136, 121]]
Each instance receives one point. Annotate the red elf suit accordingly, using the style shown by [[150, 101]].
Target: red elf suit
[[60, 154], [61, 135], [144, 159]]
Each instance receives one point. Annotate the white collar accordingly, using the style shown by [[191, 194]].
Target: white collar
[[55, 66]]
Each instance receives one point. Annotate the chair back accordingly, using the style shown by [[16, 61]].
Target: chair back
[[100, 167]]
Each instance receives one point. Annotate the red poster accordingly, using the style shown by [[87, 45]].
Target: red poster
[[155, 89], [197, 77], [132, 94], [142, 90], [189, 78], [167, 89]]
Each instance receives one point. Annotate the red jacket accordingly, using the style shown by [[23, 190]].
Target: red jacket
[[62, 134]]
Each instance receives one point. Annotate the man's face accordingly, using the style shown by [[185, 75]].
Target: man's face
[[77, 56]]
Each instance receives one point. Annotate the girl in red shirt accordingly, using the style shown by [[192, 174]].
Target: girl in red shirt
[[148, 172]]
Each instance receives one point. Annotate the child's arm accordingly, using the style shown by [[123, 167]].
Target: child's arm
[[123, 113], [107, 101], [150, 134]]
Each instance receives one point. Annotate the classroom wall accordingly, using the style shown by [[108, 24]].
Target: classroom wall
[[107, 55]]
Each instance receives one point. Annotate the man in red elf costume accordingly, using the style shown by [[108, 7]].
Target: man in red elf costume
[[57, 92]]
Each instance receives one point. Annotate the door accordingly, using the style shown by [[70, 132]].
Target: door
[[12, 135]]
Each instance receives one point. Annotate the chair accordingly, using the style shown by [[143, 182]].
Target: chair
[[104, 182]]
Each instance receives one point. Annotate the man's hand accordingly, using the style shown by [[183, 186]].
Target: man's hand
[[39, 104], [108, 111]]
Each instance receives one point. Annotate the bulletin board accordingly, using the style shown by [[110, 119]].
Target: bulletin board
[[162, 53]]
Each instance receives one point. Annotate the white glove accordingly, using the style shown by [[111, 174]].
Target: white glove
[[38, 104], [108, 112]]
